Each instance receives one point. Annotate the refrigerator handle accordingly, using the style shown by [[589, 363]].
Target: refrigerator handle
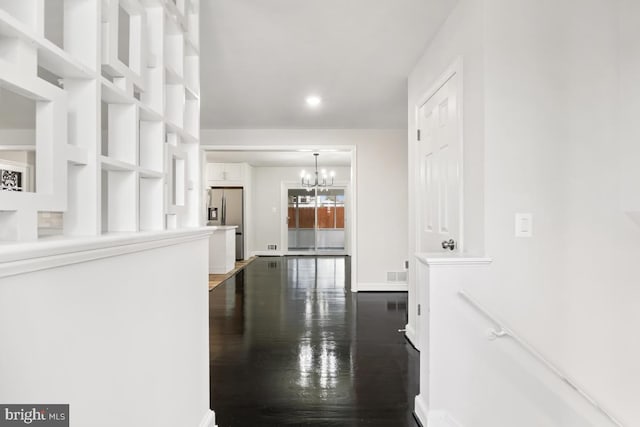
[[224, 211]]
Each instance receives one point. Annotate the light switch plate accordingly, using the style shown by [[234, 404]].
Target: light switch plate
[[524, 225]]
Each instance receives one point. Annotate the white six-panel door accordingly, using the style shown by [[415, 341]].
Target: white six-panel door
[[439, 167]]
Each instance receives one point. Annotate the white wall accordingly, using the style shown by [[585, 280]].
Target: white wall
[[480, 382], [381, 169], [561, 101], [102, 323], [267, 203], [629, 88], [17, 137], [552, 126]]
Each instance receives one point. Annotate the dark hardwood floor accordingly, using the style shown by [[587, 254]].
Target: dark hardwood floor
[[291, 345]]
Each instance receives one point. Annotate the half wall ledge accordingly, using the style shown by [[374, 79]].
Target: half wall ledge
[[20, 258]]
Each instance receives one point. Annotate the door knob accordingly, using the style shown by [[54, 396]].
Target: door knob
[[451, 244]]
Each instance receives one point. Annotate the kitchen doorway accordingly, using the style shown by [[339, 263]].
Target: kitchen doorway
[[278, 166]]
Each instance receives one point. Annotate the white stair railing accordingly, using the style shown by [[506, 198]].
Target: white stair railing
[[502, 331]]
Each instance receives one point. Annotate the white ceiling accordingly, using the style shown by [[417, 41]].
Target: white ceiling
[[260, 59], [281, 158]]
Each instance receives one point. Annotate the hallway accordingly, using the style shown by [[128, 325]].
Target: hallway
[[290, 344]]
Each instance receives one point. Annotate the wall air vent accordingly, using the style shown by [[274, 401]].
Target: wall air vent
[[397, 276]]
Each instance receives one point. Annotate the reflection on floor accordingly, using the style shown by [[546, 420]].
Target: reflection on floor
[[291, 345]]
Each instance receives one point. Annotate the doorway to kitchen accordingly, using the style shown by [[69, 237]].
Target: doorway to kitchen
[[270, 172]]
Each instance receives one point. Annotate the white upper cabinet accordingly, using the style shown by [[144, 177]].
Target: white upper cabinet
[[233, 171], [225, 174]]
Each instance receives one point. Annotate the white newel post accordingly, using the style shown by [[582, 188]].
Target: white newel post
[[440, 277]]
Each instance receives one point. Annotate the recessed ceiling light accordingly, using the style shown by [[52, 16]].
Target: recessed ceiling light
[[313, 101]]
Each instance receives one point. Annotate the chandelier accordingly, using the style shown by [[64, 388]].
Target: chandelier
[[321, 180]]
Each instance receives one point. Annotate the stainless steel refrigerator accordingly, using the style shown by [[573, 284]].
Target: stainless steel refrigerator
[[225, 207]]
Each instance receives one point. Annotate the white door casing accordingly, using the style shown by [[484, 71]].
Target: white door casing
[[439, 170]]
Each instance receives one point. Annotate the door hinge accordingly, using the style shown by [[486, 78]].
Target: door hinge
[[419, 309], [418, 134]]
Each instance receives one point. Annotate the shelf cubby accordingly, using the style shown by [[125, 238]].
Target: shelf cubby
[[83, 112], [192, 176], [113, 94], [176, 188], [82, 214], [192, 34], [192, 74], [192, 117], [65, 26], [177, 191], [153, 96], [152, 146], [179, 131], [120, 201], [151, 204], [174, 53], [122, 138], [123, 40], [54, 21], [122, 77], [175, 104], [19, 40]]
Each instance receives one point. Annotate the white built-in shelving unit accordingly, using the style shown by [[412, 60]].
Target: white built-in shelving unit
[[116, 84]]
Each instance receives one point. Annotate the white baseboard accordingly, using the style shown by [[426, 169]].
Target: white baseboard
[[298, 253], [410, 333], [429, 418], [267, 253], [421, 410], [382, 287], [208, 420], [441, 419]]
